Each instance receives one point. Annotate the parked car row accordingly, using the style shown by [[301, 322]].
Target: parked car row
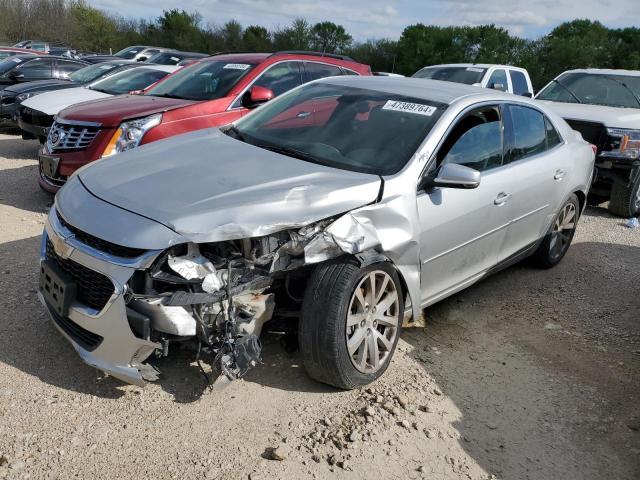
[[186, 215]]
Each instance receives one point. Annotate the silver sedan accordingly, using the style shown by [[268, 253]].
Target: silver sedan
[[328, 212]]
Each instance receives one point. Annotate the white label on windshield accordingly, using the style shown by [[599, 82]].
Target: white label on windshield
[[475, 69], [409, 107], [236, 66], [175, 59], [17, 60], [105, 67]]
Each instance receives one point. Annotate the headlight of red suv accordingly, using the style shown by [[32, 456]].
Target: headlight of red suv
[[129, 134]]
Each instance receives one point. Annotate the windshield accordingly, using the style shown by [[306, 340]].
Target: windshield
[[202, 81], [344, 127], [9, 63], [468, 75], [92, 72], [594, 88], [129, 52], [165, 58], [128, 81]]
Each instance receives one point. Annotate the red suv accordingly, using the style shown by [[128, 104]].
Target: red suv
[[209, 93]]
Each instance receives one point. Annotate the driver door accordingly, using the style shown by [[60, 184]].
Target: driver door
[[462, 230]]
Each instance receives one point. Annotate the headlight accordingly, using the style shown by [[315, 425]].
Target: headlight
[[23, 96], [130, 134], [625, 143]]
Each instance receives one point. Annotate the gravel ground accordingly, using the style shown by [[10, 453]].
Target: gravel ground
[[528, 375]]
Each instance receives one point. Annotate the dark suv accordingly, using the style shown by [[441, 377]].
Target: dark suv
[[28, 68]]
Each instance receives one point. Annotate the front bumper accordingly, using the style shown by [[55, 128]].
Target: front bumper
[[114, 348]]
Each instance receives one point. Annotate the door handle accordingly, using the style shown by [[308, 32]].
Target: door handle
[[502, 198], [559, 175]]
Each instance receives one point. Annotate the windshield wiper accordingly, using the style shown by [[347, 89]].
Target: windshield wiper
[[167, 95], [237, 134], [567, 89], [290, 152], [635, 96]]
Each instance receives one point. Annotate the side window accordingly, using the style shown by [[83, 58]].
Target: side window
[[498, 80], [529, 132], [519, 82], [64, 67], [314, 71], [553, 137], [39, 68], [281, 77], [475, 142]]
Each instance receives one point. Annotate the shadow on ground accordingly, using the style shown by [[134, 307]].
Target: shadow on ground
[[540, 364]]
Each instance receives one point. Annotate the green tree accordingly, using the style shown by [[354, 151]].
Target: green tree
[[92, 29], [257, 39], [329, 37], [381, 55], [296, 36]]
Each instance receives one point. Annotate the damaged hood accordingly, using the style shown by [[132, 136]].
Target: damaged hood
[[611, 117], [209, 187]]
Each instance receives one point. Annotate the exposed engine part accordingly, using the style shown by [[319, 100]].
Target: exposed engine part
[[166, 319]]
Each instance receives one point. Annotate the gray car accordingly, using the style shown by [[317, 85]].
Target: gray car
[[332, 210]]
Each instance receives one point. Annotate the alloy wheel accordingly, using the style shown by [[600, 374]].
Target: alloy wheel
[[372, 321], [563, 231]]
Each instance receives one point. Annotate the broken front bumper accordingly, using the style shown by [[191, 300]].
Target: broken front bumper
[[101, 335]]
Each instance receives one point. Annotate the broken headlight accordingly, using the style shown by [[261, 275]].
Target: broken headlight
[[130, 134]]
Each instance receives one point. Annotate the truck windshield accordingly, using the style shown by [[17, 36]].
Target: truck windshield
[[610, 90], [468, 75], [350, 128], [207, 80]]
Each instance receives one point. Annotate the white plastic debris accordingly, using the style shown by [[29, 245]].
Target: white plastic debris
[[632, 223], [192, 265], [212, 283]]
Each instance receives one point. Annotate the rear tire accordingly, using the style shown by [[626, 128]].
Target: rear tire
[[556, 242], [625, 198], [348, 334]]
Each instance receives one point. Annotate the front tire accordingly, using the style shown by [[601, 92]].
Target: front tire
[[625, 198], [556, 242], [351, 322]]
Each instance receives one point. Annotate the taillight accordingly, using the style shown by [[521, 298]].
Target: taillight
[[594, 148]]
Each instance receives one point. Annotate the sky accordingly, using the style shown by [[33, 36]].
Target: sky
[[366, 19]]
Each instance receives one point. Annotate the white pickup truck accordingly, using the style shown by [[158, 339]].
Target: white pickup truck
[[604, 106], [499, 77]]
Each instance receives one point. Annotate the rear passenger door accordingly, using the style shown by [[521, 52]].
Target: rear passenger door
[[538, 167], [281, 77]]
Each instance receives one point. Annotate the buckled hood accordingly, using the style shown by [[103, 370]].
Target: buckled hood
[[207, 187]]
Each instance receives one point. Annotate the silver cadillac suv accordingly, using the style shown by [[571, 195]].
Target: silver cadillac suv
[[335, 208]]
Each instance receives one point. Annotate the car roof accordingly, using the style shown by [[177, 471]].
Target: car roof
[[433, 90], [477, 65], [238, 57], [605, 71]]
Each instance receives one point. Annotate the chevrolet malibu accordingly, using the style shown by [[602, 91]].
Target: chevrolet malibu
[[336, 207]]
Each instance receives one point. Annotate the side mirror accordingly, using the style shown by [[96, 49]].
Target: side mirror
[[527, 94], [255, 96], [16, 76], [142, 59], [452, 175], [498, 86]]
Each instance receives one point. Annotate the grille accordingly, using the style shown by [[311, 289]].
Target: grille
[[35, 117], [70, 137], [592, 132], [99, 244], [92, 288], [86, 339]]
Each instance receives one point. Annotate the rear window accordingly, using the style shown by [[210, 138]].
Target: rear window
[[467, 75], [529, 132], [518, 82]]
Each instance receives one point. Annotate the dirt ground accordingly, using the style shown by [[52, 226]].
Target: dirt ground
[[530, 374]]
